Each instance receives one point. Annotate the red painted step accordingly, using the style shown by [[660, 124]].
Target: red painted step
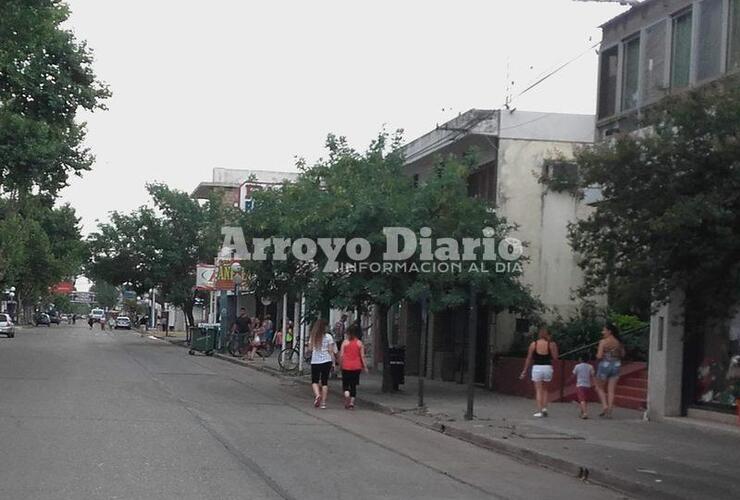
[[632, 391], [628, 402]]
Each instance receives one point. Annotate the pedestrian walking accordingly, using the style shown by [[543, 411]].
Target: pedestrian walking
[[323, 357], [90, 321], [609, 353], [268, 329], [540, 355], [352, 362], [584, 373]]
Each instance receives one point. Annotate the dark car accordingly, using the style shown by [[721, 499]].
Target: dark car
[[42, 319], [55, 318]]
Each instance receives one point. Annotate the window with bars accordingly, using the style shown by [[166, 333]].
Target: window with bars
[[631, 73], [709, 43], [608, 82], [681, 50]]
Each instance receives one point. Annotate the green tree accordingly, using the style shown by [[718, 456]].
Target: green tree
[[670, 217], [106, 294], [46, 76], [160, 246], [353, 194]]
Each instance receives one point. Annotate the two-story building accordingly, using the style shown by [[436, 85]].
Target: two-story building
[[514, 149], [655, 49]]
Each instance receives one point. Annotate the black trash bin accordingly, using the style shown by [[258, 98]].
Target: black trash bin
[[397, 360]]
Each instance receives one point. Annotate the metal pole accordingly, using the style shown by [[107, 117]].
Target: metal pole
[[302, 331], [472, 335], [154, 310], [423, 351], [285, 318]]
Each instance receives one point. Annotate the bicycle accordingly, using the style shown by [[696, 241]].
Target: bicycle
[[288, 358], [238, 348]]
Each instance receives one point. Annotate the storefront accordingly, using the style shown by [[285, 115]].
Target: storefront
[[717, 374]]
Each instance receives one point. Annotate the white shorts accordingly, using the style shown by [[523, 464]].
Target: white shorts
[[541, 373]]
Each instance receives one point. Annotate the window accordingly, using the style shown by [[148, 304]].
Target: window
[[653, 81], [709, 44], [482, 182], [631, 73], [734, 45], [681, 53], [416, 180], [608, 82]]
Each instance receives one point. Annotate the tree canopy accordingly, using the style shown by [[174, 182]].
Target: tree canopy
[[670, 214]]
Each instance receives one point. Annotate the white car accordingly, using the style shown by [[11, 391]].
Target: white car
[[6, 326], [97, 314], [123, 322]]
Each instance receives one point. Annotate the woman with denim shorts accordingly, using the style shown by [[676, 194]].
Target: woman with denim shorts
[[542, 352], [609, 354]]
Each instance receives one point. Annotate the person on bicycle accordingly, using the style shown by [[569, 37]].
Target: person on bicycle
[[241, 325], [268, 329]]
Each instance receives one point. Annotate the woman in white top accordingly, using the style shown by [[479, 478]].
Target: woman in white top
[[323, 356]]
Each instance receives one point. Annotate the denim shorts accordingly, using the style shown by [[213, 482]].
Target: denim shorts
[[608, 369]]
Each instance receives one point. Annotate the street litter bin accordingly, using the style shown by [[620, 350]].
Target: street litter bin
[[204, 339], [397, 361]]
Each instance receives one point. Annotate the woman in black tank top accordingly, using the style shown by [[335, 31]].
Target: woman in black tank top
[[542, 352]]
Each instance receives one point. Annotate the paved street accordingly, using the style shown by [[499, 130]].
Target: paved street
[[101, 414]]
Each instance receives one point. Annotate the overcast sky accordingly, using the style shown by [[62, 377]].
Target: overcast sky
[[247, 84]]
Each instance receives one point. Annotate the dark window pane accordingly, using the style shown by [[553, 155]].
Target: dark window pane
[[681, 54], [631, 70], [653, 67], [608, 83], [734, 52], [709, 62]]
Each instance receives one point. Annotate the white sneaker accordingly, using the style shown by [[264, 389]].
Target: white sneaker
[[539, 414]]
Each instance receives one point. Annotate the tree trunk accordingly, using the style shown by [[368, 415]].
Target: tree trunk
[[383, 338], [188, 310]]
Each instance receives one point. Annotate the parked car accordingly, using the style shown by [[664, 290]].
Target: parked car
[[42, 319], [64, 317], [6, 325], [123, 322], [55, 318]]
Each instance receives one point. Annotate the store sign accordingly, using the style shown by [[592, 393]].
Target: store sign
[[205, 277], [63, 287]]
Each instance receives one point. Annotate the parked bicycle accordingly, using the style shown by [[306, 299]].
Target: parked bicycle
[[238, 345], [288, 358]]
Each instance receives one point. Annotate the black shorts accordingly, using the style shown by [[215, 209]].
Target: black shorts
[[350, 380], [321, 372]]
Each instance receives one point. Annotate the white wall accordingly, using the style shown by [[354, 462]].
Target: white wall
[[543, 217]]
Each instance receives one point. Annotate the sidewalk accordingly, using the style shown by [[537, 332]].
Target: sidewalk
[[659, 460]]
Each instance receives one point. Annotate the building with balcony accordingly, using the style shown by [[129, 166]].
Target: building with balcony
[[514, 149], [656, 49], [660, 48]]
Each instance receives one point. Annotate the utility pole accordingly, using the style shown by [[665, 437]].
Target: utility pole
[[423, 351]]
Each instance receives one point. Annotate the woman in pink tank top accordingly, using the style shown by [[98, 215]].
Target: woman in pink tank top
[[352, 359]]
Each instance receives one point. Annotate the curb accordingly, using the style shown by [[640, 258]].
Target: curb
[[524, 455]]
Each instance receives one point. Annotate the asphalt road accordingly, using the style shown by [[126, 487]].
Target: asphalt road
[[91, 414]]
